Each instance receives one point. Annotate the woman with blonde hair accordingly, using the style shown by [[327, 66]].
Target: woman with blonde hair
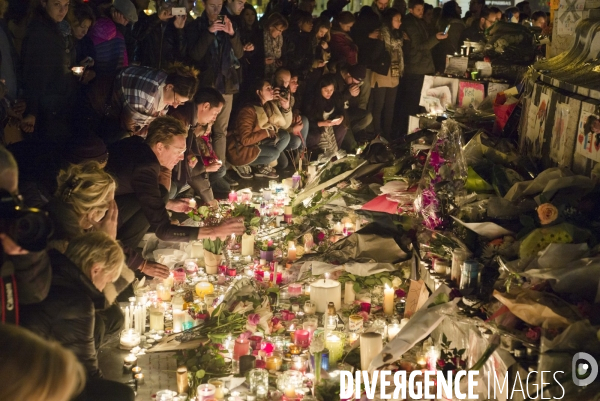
[[34, 369], [68, 314]]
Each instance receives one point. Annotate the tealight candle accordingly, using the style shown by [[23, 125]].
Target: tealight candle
[[310, 308], [274, 362], [135, 370], [163, 292], [205, 392], [338, 228], [192, 203], [204, 288], [233, 196], [129, 362], [393, 330], [139, 378]]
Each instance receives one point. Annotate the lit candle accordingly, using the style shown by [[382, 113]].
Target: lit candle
[[267, 194], [324, 291], [157, 319], [204, 288], [290, 392], [178, 319], [393, 330], [310, 308], [139, 378], [233, 196], [291, 251], [267, 276], [205, 392], [334, 342], [129, 362], [273, 362], [302, 338], [388, 300], [241, 347], [129, 338], [348, 229], [247, 245], [371, 345], [338, 228], [192, 203]]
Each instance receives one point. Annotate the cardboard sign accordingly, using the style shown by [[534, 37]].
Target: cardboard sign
[[416, 298], [470, 93]]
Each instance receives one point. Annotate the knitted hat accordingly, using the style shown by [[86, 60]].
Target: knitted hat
[[358, 71], [85, 148], [126, 8]]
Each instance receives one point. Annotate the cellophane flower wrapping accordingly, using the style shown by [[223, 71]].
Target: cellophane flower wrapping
[[444, 176]]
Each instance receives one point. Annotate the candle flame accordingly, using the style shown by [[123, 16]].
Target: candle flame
[[326, 276]]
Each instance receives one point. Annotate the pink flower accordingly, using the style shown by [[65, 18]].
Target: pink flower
[[364, 315], [253, 318], [534, 333], [246, 335], [436, 160], [320, 236], [275, 321], [267, 347]]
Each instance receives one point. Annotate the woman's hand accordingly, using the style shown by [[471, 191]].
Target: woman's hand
[[441, 35], [181, 205], [157, 270], [213, 167], [87, 76], [285, 101], [324, 45], [108, 224], [248, 47], [192, 161]]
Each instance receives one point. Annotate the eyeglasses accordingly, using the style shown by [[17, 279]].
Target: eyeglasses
[[179, 152]]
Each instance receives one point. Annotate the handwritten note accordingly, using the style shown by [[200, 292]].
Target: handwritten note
[[416, 298], [457, 66], [470, 93]]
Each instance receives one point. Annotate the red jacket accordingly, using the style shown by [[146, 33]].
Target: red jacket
[[343, 48]]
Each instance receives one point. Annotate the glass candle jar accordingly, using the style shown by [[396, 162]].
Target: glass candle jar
[[258, 378], [335, 342], [274, 362], [288, 382], [219, 388]]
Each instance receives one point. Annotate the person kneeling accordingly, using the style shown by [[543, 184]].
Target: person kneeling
[[67, 315], [256, 140]]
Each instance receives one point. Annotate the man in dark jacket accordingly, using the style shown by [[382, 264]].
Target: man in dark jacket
[[418, 62], [476, 32], [215, 48], [68, 314], [142, 198], [160, 39]]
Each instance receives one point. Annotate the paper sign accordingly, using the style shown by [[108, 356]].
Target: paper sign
[[495, 88], [588, 133], [416, 298], [470, 93], [484, 68], [457, 66], [486, 229]]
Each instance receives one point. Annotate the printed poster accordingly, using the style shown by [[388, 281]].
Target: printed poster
[[535, 132], [470, 93], [588, 134], [559, 132]]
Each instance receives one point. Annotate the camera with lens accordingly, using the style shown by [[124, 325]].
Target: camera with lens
[[29, 228], [283, 92]]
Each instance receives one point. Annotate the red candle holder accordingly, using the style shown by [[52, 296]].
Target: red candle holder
[[231, 271], [365, 307], [302, 338], [260, 364], [255, 342], [222, 269]]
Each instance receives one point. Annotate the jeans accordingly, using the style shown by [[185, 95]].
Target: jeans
[[382, 107], [270, 151], [295, 141], [219, 128]]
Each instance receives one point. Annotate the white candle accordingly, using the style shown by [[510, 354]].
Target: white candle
[[267, 277], [291, 251], [393, 330], [197, 250], [247, 245], [193, 203], [157, 319], [338, 228], [349, 294], [324, 291], [129, 338], [371, 345], [127, 324], [178, 319], [388, 300]]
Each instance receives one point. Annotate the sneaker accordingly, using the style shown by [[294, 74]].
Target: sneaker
[[265, 171], [230, 181], [245, 172]]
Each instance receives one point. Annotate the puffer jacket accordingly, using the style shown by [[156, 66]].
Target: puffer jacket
[[158, 43], [68, 312], [111, 52]]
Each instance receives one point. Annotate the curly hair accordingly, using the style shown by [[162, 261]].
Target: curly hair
[[184, 79]]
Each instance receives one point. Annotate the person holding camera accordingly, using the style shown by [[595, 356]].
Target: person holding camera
[[215, 48], [258, 139], [160, 38]]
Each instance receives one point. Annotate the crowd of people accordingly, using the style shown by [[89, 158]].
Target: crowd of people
[[122, 113]]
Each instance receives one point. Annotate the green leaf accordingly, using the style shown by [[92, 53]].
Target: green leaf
[[352, 276], [387, 281], [444, 338], [200, 374], [370, 281], [356, 287]]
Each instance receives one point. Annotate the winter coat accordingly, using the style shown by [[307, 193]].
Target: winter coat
[[393, 44], [47, 58], [158, 43], [343, 48], [252, 126], [111, 52], [417, 50], [215, 55], [67, 314]]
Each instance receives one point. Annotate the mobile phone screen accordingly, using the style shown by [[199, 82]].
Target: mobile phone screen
[[178, 11], [446, 30]]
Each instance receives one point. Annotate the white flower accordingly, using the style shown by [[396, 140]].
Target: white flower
[[264, 311], [243, 307], [396, 282]]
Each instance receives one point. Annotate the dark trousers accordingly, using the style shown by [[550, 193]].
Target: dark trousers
[[382, 107], [407, 102], [133, 224], [108, 321], [103, 390], [360, 129]]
